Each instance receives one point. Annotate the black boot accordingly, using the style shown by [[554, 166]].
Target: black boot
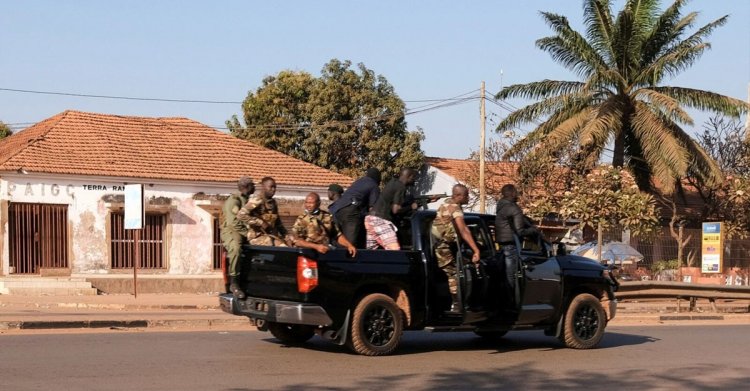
[[234, 286], [455, 306]]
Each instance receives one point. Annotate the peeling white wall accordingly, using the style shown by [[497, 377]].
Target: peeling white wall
[[189, 247]]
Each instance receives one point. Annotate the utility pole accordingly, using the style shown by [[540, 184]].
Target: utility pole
[[483, 120]]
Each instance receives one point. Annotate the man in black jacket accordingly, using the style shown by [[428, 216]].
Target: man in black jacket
[[509, 221], [350, 210]]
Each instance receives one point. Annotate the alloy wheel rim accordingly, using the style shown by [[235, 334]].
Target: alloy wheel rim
[[379, 326], [586, 322]]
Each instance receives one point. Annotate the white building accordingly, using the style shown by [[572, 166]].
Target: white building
[[62, 183], [441, 174]]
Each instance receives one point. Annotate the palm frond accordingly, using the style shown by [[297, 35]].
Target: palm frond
[[665, 154], [598, 19], [666, 104], [669, 64], [570, 48], [665, 30], [540, 89], [643, 13], [567, 130], [706, 100], [532, 112], [537, 135]]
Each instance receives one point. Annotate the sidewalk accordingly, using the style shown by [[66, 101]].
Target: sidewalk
[[115, 311], [201, 311]]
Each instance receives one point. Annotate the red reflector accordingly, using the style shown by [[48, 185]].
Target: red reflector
[[307, 274]]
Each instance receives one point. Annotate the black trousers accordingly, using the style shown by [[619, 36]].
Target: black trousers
[[351, 222], [511, 260]]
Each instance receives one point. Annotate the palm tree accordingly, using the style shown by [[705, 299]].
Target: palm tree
[[620, 101]]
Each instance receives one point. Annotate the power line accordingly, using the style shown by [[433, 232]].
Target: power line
[[335, 123], [79, 95], [118, 97]]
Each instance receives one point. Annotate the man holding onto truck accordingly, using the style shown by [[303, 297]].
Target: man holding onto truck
[[509, 221], [449, 221], [261, 215], [234, 232], [316, 228]]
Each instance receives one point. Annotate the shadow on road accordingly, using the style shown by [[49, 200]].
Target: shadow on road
[[417, 342], [521, 377]]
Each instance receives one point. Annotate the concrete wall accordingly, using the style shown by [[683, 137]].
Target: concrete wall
[[90, 200]]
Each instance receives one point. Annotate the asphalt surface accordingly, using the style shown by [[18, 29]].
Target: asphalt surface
[[711, 357], [201, 311]]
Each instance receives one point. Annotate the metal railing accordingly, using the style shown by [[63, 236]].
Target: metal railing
[[682, 290]]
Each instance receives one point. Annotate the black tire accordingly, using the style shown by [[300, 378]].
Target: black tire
[[377, 326], [292, 334], [585, 319], [492, 335]]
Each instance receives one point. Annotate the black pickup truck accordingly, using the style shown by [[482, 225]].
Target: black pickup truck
[[366, 302]]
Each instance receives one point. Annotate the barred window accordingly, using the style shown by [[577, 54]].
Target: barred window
[[217, 244], [122, 246]]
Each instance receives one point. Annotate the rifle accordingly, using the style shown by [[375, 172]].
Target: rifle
[[425, 199]]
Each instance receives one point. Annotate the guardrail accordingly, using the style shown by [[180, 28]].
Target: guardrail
[[680, 290]]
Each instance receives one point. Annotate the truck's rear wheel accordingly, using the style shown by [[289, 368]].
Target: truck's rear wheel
[[584, 323], [377, 326], [292, 334]]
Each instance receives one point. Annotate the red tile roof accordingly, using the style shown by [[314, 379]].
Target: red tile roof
[[75, 142], [467, 170]]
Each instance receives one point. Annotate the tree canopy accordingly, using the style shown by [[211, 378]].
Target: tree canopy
[[620, 100], [346, 120], [4, 130]]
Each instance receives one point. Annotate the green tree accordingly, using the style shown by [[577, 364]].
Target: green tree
[[604, 198], [345, 120], [622, 62], [4, 130]]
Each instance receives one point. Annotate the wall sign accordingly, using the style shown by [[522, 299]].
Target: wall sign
[[712, 248]]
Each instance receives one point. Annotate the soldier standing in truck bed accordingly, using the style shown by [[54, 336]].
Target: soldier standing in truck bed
[[261, 215], [234, 231]]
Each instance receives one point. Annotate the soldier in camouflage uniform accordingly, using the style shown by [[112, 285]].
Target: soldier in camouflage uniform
[[261, 215], [234, 232], [448, 222], [316, 228]]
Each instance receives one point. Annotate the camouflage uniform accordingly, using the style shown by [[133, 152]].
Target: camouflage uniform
[[445, 235], [317, 227], [256, 211], [233, 231]]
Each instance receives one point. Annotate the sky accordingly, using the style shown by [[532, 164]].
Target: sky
[[221, 50]]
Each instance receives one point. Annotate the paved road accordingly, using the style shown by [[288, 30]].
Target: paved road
[[631, 357]]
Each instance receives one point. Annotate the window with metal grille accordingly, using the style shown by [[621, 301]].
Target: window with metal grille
[[122, 242], [217, 244], [38, 235]]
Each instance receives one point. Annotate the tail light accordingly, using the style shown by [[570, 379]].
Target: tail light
[[307, 274]]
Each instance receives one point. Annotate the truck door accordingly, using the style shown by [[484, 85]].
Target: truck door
[[473, 282], [539, 282]]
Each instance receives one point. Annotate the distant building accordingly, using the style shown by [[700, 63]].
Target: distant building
[[62, 182], [440, 174]]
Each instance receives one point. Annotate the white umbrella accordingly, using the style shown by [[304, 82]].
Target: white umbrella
[[612, 252]]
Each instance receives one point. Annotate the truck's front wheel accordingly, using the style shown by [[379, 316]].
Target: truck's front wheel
[[292, 334], [377, 326], [584, 322]]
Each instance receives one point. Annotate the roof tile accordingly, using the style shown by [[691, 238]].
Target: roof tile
[[75, 142]]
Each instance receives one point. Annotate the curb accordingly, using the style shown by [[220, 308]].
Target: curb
[[121, 324]]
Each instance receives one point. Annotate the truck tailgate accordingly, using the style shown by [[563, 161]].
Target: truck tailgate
[[271, 272]]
